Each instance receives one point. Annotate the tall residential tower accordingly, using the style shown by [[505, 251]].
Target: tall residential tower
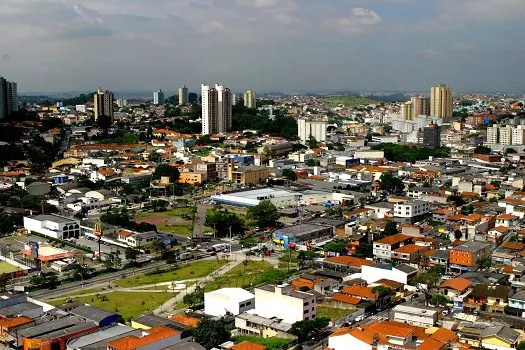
[[420, 106], [249, 99], [8, 98], [216, 109], [158, 97], [183, 95], [441, 101], [103, 104]]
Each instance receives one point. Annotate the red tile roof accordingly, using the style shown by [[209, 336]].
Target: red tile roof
[[459, 284], [397, 238], [348, 260]]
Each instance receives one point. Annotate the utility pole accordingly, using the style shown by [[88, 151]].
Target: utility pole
[[231, 240]]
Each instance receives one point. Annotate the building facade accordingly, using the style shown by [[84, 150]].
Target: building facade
[[284, 303], [54, 226], [217, 105], [8, 98], [103, 104], [183, 95], [158, 97], [420, 106], [441, 102], [313, 128], [432, 136], [249, 99], [407, 109]]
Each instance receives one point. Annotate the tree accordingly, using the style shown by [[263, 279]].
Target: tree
[[4, 280], [381, 291], [104, 122], [194, 298], [290, 174], [336, 246], [438, 299], [304, 329], [521, 346], [210, 333], [391, 228], [82, 213], [484, 263], [264, 214], [131, 254], [482, 150], [159, 205], [312, 142], [166, 170], [391, 184], [222, 220], [458, 234]]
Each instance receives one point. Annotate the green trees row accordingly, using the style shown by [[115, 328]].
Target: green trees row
[[403, 153]]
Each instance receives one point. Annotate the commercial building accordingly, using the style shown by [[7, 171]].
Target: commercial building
[[54, 226], [302, 234], [158, 97], [284, 303], [441, 102], [464, 257], [249, 99], [263, 327], [416, 316], [420, 106], [103, 104], [311, 128], [384, 247], [233, 301], [407, 111], [183, 95], [247, 175], [411, 211], [432, 136], [216, 109], [8, 98]]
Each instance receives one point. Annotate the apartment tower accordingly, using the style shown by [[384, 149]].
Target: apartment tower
[[158, 97], [249, 99], [103, 104], [217, 104], [420, 106], [183, 95], [441, 101], [432, 136], [407, 111], [8, 98]]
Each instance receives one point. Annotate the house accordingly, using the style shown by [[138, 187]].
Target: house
[[154, 338], [365, 294], [104, 174], [418, 192], [499, 337], [411, 211], [383, 248], [255, 325], [417, 316], [435, 257], [409, 254], [137, 239], [284, 303], [439, 340], [375, 272], [247, 175], [516, 304], [494, 298], [497, 233], [442, 214], [465, 256], [321, 285], [248, 345], [506, 220], [456, 291], [225, 301], [382, 209], [348, 264]]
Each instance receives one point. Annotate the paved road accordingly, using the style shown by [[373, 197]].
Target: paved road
[[200, 218]]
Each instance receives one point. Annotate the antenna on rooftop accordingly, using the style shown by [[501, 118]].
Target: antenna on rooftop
[[298, 210]]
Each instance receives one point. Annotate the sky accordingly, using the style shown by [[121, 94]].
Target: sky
[[265, 45]]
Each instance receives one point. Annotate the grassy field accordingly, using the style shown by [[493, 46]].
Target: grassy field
[[182, 272], [270, 343], [127, 304], [246, 274], [332, 312], [172, 212], [7, 268], [184, 230], [349, 101]]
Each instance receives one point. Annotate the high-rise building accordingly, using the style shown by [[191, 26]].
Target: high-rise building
[[505, 135], [183, 95], [441, 101], [406, 111], [103, 104], [158, 97], [432, 136], [8, 98], [122, 102], [249, 99], [314, 128], [492, 135], [216, 109], [420, 106]]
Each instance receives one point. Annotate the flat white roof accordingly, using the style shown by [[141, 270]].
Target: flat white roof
[[237, 294], [419, 311]]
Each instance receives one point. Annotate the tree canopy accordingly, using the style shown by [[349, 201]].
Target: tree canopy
[[391, 184], [403, 153], [210, 333], [304, 329], [222, 220], [166, 170], [264, 214]]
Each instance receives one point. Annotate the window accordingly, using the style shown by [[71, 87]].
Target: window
[[306, 303]]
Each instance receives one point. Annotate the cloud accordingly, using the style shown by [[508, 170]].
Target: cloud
[[481, 10], [360, 20], [5, 57], [259, 3], [84, 32], [430, 54], [212, 27], [464, 47]]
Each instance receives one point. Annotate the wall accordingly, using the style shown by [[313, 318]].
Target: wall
[[345, 342], [287, 308]]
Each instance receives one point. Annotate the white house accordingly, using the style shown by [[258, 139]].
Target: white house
[[411, 211], [136, 239], [53, 226], [375, 272], [228, 301], [416, 316], [343, 339], [284, 303]]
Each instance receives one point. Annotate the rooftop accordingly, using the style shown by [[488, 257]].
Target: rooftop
[[472, 246], [301, 230], [237, 294]]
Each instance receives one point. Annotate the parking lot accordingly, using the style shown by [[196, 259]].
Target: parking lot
[[93, 245]]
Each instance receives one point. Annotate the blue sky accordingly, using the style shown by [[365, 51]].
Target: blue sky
[[287, 45]]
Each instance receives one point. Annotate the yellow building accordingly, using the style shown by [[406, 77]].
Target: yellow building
[[407, 111], [247, 175], [441, 103], [192, 178]]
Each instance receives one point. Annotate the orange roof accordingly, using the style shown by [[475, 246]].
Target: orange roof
[[397, 238], [346, 299], [372, 169], [409, 248], [458, 283], [186, 320], [443, 211], [302, 282], [469, 194], [349, 261], [513, 245], [501, 229], [8, 323], [490, 187], [124, 233], [246, 345], [154, 335], [506, 217], [514, 201], [438, 340], [507, 269], [341, 331], [359, 291], [106, 172]]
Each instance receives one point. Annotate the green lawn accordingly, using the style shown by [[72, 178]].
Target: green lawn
[[332, 312], [172, 212], [127, 304], [7, 268], [184, 230], [270, 343], [182, 272], [349, 101]]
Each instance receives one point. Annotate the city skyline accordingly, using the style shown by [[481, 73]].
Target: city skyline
[[354, 45]]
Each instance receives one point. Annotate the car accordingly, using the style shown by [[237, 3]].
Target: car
[[415, 295]]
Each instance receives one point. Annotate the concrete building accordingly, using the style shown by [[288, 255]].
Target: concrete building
[[183, 95], [432, 136], [53, 226], [464, 257], [284, 303], [407, 111], [249, 99], [314, 128], [416, 316], [411, 211], [103, 104], [8, 98], [492, 135], [302, 234], [505, 135], [158, 97], [121, 102], [217, 105], [420, 106], [441, 102], [225, 301], [255, 325], [247, 175]]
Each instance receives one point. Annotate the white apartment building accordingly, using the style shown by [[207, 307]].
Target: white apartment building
[[284, 303], [54, 226], [183, 95], [315, 128], [492, 135], [411, 211], [518, 135], [505, 135], [158, 97], [217, 105], [234, 301]]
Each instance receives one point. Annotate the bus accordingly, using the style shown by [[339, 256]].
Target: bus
[[221, 247]]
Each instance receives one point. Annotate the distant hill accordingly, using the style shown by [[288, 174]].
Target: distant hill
[[349, 101]]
